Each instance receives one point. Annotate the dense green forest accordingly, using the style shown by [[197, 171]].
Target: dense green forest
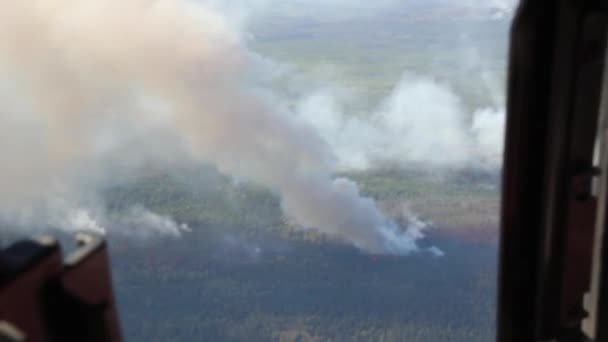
[[180, 291], [244, 274]]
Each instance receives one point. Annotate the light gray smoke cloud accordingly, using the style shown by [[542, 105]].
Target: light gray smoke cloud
[[137, 222], [423, 123], [70, 216], [83, 76], [144, 223]]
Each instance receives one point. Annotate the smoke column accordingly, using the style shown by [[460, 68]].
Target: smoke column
[[85, 72]]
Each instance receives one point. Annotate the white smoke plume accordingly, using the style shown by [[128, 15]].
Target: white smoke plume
[[64, 215], [423, 123], [143, 223], [81, 73], [137, 222]]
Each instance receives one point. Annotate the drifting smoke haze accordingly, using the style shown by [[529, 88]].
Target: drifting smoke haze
[[423, 123], [140, 81]]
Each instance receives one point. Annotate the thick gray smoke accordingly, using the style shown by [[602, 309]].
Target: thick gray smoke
[[83, 77]]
